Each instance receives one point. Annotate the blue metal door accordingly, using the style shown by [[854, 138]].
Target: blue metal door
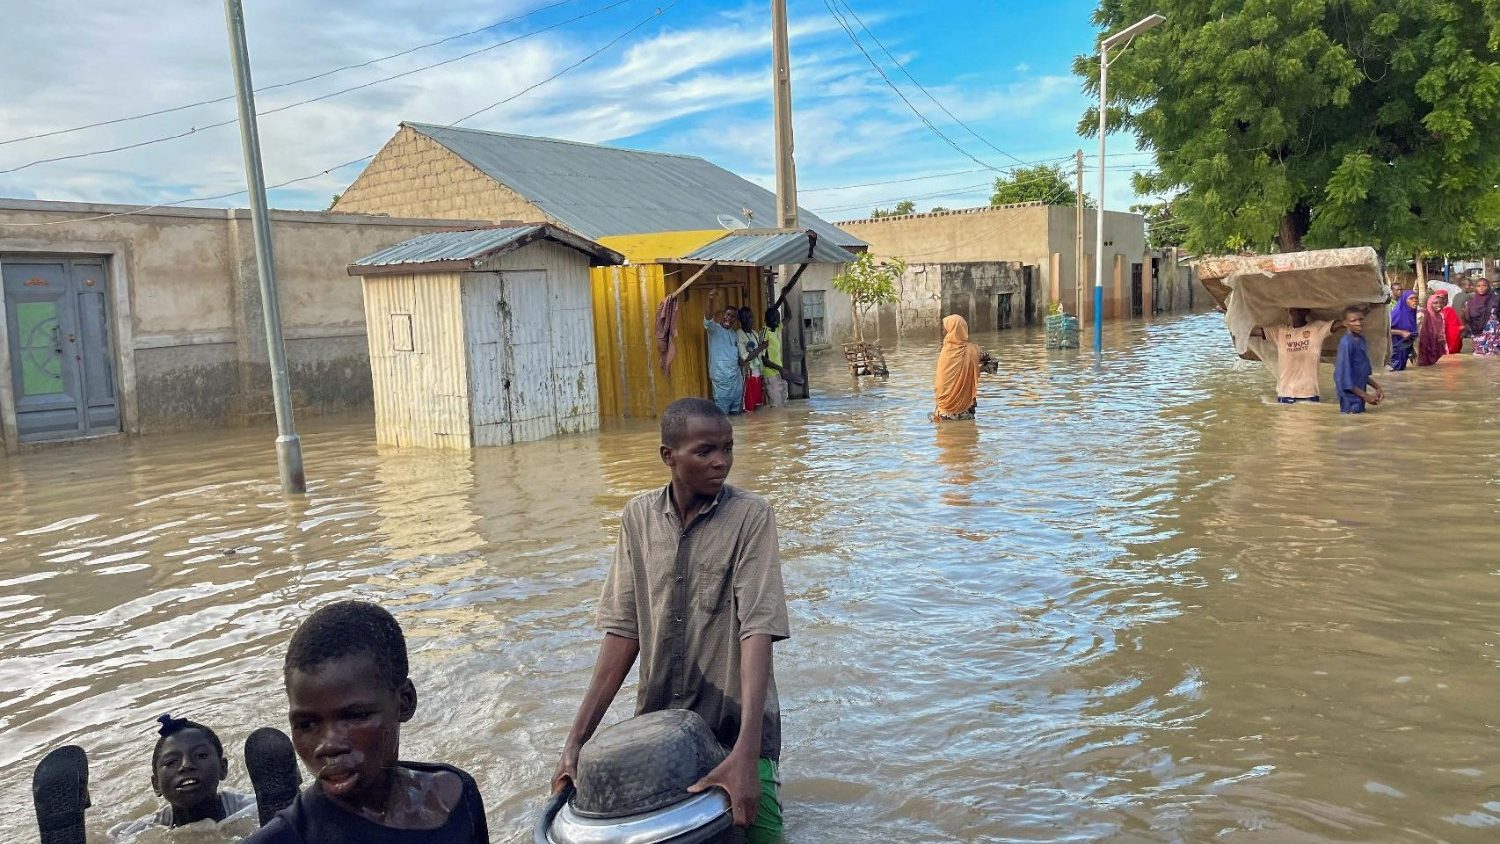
[[62, 361]]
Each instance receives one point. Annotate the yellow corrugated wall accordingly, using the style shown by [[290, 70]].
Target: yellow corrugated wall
[[631, 382], [650, 247]]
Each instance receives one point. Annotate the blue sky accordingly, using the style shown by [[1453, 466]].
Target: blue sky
[[694, 79]]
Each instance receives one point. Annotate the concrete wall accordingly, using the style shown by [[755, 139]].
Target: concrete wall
[[1038, 235], [415, 176], [186, 320], [838, 307], [929, 292]]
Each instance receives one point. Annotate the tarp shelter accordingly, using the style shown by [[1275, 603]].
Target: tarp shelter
[[482, 337], [738, 265], [1259, 290]]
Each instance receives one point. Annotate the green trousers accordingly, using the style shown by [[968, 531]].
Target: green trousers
[[766, 827]]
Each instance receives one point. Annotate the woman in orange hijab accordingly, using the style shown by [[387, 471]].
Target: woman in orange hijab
[[957, 382]]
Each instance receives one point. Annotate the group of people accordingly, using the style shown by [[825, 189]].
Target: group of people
[[1427, 332], [745, 364], [1299, 347], [694, 596]]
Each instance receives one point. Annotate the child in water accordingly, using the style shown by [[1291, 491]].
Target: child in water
[[186, 768], [1351, 371], [348, 693]]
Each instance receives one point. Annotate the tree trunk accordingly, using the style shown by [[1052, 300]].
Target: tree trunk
[[1294, 225], [1421, 263]]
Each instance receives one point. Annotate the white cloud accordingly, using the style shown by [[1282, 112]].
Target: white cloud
[[698, 85]]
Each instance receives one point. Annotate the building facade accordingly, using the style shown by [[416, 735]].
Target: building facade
[[1041, 237], [140, 320]]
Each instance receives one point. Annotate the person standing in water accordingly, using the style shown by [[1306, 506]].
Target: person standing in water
[[695, 592], [775, 381], [1352, 370], [1438, 331], [724, 356], [956, 386], [1403, 329], [1480, 317], [752, 347], [1299, 347]]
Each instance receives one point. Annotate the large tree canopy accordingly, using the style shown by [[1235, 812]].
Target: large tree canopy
[[1315, 122]]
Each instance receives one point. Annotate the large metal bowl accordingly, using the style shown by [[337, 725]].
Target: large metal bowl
[[700, 819]]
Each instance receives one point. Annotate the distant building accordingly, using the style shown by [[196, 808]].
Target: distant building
[[1042, 239]]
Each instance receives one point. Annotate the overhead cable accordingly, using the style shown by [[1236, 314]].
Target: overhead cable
[[919, 85], [269, 111], [287, 84], [655, 14], [853, 37]]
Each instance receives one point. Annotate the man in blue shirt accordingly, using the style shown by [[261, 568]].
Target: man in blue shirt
[[1351, 371]]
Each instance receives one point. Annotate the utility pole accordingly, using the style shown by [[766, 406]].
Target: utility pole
[[1078, 268], [786, 189], [288, 445]]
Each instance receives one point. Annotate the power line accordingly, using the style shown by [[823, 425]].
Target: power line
[[953, 192], [913, 79], [893, 181], [289, 83], [853, 37], [655, 14], [269, 111], [922, 178]]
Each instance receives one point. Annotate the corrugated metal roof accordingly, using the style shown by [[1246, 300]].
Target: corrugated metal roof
[[769, 248], [599, 191], [459, 247], [446, 246]]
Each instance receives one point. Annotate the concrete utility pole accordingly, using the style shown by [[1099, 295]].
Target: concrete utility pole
[[288, 445], [786, 189], [1078, 268]]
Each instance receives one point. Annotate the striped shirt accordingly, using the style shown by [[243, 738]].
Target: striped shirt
[[689, 595]]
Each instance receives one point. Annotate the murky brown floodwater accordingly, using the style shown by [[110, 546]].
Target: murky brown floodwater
[[1133, 602]]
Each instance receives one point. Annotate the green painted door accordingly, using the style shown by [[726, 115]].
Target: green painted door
[[62, 364]]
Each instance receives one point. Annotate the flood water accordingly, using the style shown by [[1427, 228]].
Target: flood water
[[1133, 602]]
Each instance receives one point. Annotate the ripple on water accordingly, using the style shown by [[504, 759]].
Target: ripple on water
[[1134, 601]]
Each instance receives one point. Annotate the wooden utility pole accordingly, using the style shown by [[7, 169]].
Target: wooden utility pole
[[795, 350], [1078, 269]]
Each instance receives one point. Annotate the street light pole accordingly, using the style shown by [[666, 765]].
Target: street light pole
[[288, 445], [1125, 35]]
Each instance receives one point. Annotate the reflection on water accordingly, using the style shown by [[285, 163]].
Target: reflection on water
[[1132, 601]]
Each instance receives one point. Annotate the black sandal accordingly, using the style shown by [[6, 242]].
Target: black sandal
[[60, 791]]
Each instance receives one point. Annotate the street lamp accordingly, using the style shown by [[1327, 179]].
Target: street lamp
[[1124, 35]]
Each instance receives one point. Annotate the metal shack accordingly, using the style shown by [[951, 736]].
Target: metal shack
[[633, 382], [482, 337]]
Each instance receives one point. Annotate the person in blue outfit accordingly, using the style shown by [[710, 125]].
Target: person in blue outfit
[[1351, 371], [1403, 330], [724, 356]]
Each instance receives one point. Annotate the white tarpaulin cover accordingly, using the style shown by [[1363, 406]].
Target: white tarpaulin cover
[[1260, 289]]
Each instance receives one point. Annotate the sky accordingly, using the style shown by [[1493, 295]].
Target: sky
[[691, 76]]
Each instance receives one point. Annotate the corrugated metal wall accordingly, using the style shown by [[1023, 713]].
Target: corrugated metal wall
[[631, 382], [420, 378], [547, 343]]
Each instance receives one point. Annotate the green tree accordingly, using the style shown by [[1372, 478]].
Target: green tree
[[904, 207], [1314, 122], [1163, 228], [869, 285], [1047, 183]]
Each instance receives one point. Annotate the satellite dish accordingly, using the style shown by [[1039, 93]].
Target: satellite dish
[[731, 222]]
